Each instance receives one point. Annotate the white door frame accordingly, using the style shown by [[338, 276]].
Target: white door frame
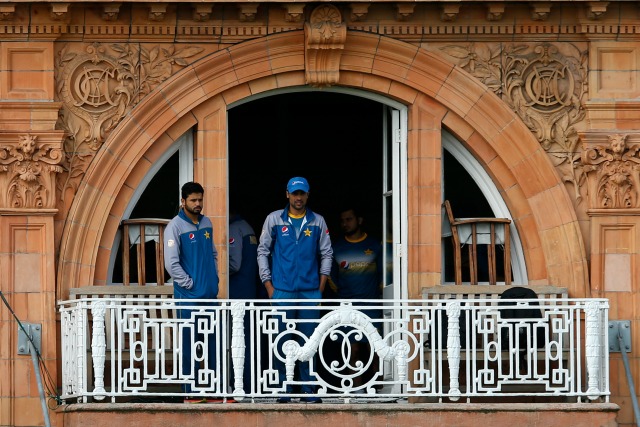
[[400, 179]]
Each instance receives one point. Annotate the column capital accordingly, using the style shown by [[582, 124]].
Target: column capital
[[29, 162]]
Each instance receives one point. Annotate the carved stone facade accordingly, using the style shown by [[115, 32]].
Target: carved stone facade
[[545, 96], [99, 85], [545, 84]]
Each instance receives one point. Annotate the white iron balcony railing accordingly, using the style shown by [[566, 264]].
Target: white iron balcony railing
[[123, 347]]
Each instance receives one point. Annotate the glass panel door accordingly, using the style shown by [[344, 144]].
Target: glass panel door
[[394, 215]]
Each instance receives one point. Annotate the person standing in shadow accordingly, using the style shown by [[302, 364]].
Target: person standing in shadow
[[244, 284], [357, 276]]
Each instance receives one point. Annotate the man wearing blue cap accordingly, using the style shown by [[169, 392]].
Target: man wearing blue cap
[[294, 261]]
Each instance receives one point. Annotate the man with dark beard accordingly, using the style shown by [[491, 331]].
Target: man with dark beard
[[190, 257], [357, 276]]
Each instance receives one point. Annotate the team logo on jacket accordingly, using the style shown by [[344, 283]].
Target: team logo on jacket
[[344, 265]]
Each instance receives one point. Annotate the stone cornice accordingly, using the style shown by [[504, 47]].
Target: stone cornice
[[27, 211], [613, 212], [39, 116], [422, 20]]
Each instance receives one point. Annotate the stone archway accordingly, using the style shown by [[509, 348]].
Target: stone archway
[[438, 93]]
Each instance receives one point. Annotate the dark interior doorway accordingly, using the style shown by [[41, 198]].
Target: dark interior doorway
[[332, 139]]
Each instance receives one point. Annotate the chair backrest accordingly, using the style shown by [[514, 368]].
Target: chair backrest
[[447, 208], [145, 234], [452, 224]]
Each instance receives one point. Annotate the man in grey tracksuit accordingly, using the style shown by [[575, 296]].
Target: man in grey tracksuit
[[190, 257], [294, 261]]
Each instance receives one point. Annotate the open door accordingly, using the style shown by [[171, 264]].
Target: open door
[[394, 211], [393, 204]]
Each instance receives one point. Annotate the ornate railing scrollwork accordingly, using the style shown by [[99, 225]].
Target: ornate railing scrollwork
[[349, 317]]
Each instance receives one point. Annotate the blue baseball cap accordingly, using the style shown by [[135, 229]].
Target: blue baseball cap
[[298, 183]]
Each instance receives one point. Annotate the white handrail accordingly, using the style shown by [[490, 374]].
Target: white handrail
[[478, 353]]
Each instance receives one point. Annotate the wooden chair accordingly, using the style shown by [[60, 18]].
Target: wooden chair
[[138, 232], [479, 231]]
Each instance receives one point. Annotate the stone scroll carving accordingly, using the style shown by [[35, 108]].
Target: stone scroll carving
[[324, 37], [99, 85], [611, 165], [29, 164]]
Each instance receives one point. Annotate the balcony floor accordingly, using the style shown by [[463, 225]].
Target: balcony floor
[[332, 412]]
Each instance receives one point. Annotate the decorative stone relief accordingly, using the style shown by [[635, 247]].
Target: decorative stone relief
[[359, 11], [612, 171], [495, 11], [157, 12], [247, 11], [294, 11], [404, 11], [202, 12], [28, 170], [540, 11], [543, 85], [99, 86], [110, 11], [449, 12], [59, 11], [596, 9], [7, 11], [324, 37]]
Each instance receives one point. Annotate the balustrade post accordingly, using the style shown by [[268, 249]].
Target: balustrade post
[[401, 355], [290, 349], [238, 347], [98, 347], [593, 347], [453, 349], [80, 346]]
